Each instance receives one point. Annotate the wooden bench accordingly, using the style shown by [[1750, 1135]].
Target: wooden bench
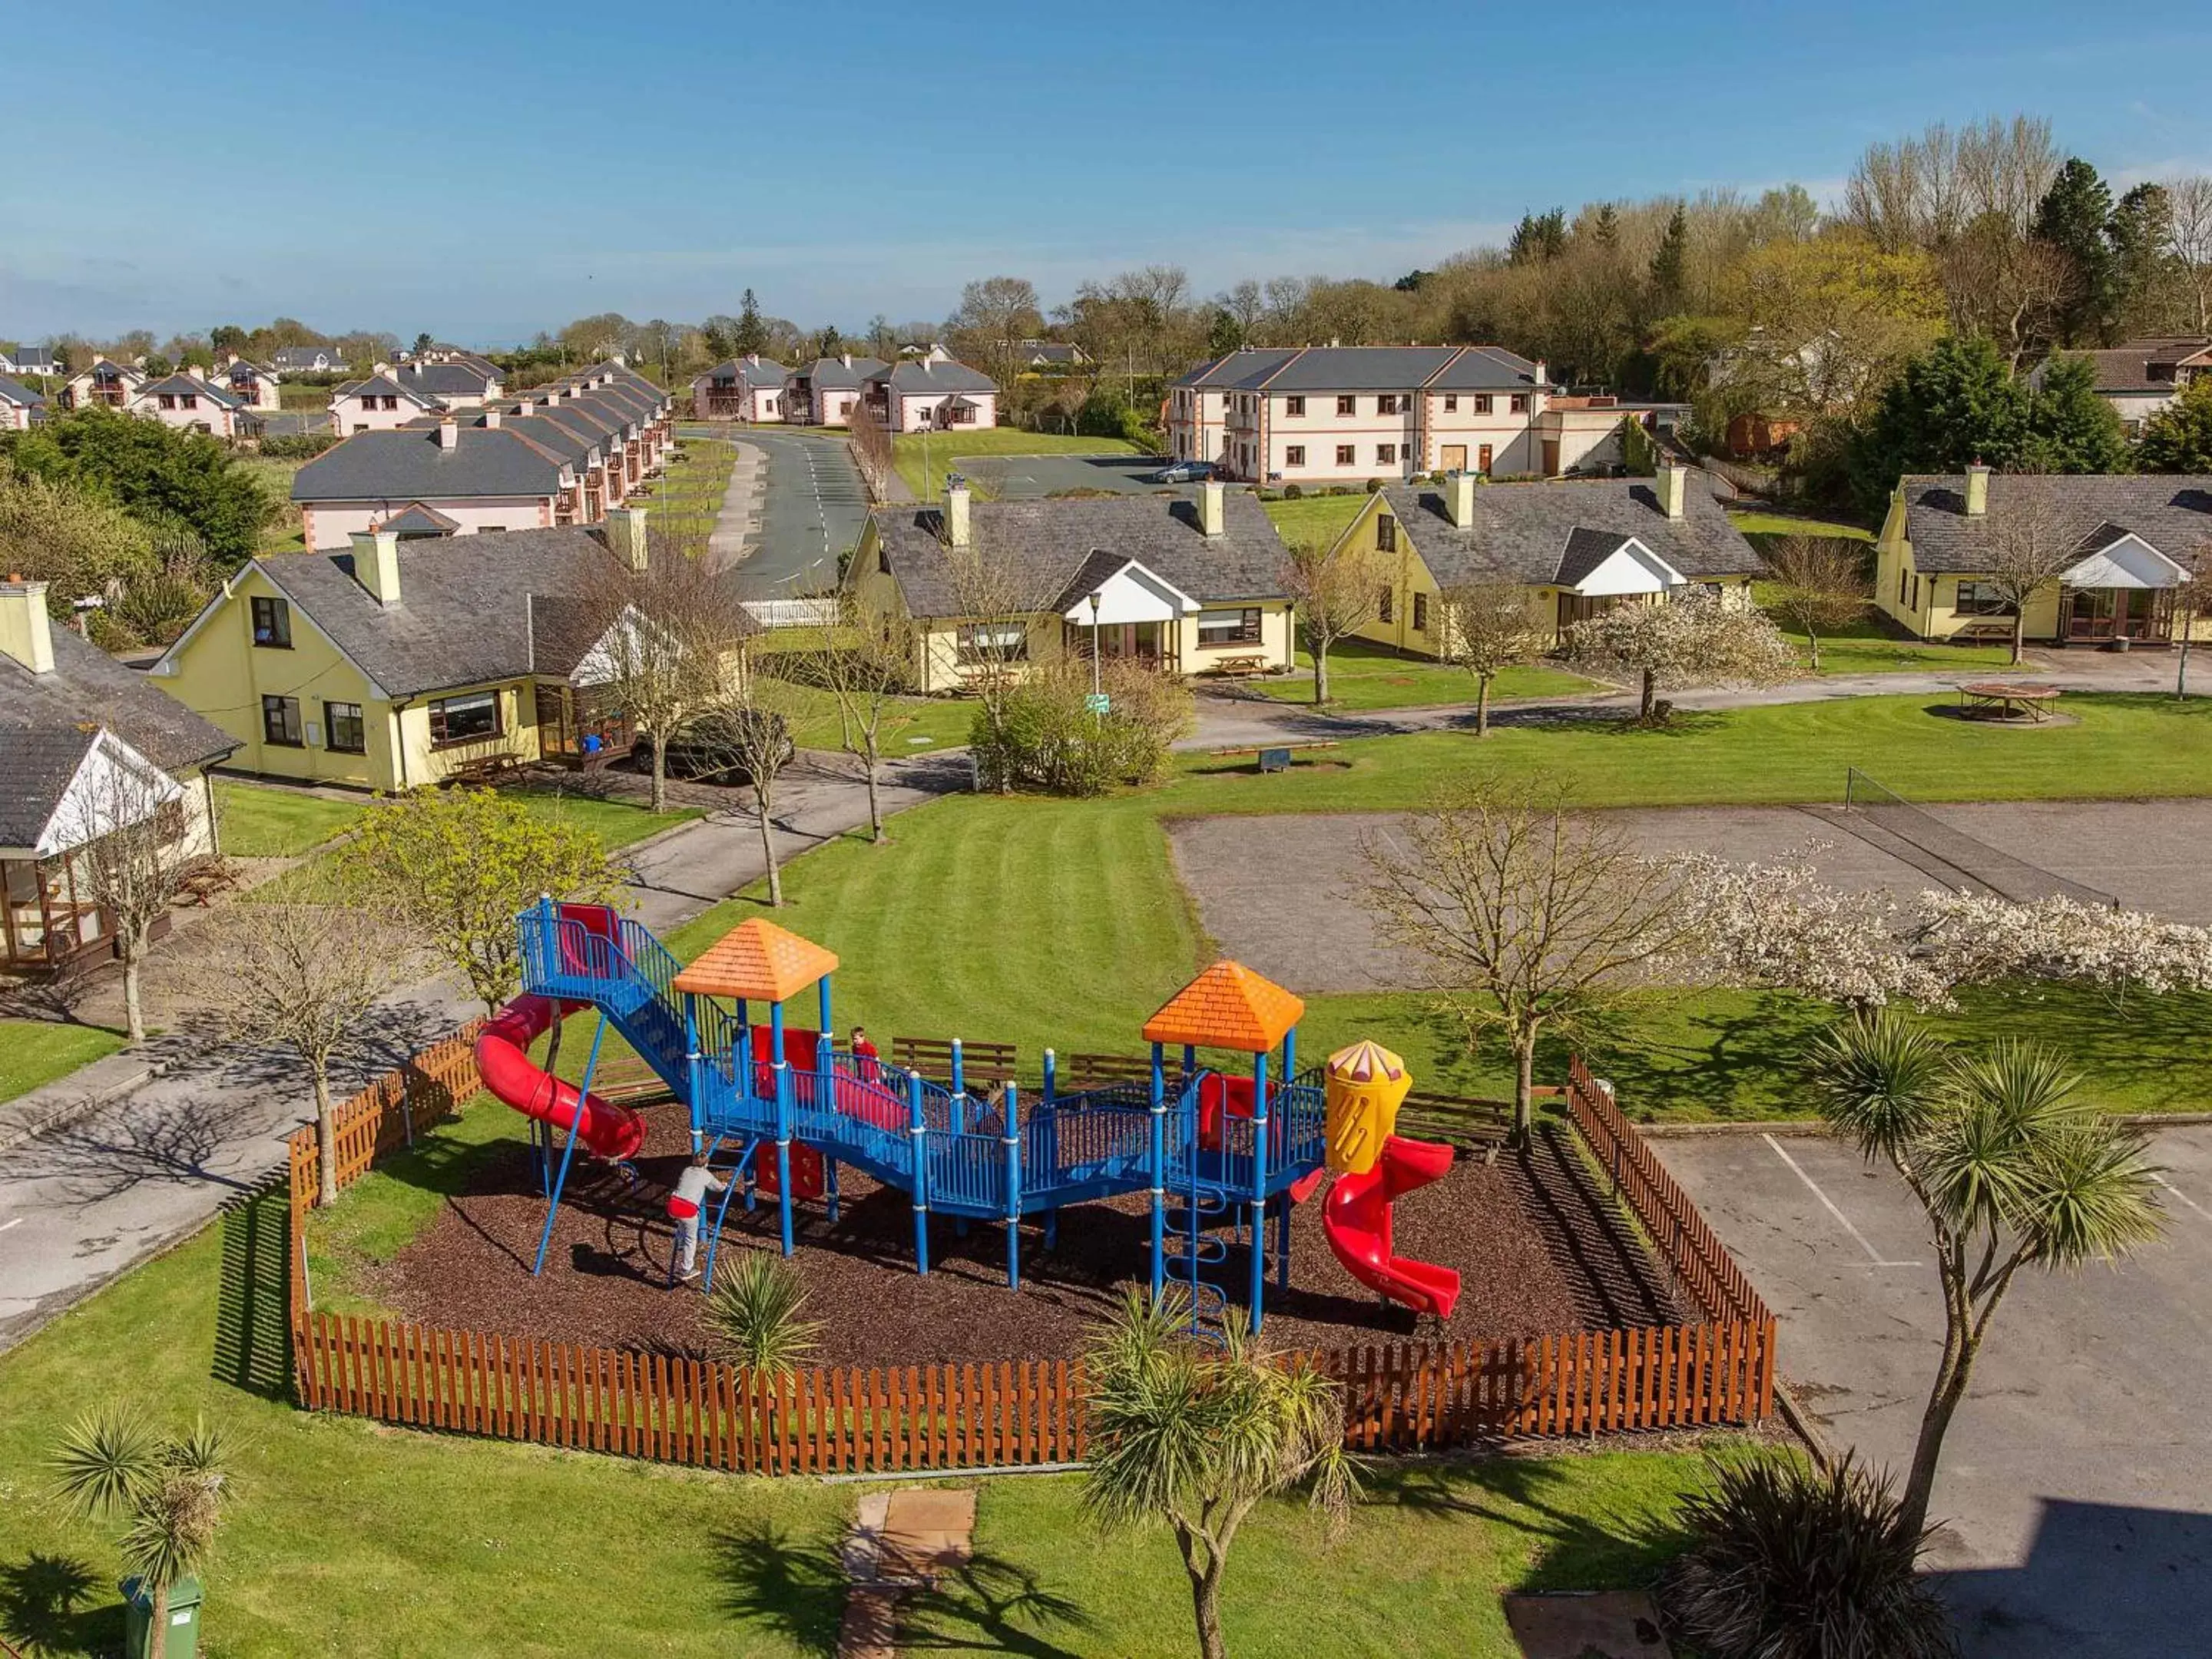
[[979, 1062], [1990, 631], [206, 877], [1478, 1127], [1072, 1072], [487, 768]]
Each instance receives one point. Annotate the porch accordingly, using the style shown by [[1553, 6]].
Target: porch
[[2098, 615], [1153, 644], [47, 920], [576, 728]]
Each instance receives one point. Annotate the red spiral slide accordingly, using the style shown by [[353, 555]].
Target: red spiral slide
[[504, 1059], [1356, 1218]]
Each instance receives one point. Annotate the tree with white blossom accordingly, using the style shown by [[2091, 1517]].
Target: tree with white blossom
[[1691, 639]]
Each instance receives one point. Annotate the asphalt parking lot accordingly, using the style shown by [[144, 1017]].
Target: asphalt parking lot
[[2078, 1474], [1029, 477]]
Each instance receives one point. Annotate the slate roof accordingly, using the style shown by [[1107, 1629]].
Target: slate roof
[[186, 385], [1044, 543], [1556, 532], [298, 357], [421, 521], [2172, 512], [2141, 366], [929, 379], [1239, 369], [464, 614], [383, 385], [1366, 368], [831, 373], [448, 379], [765, 372], [14, 391], [31, 360], [48, 721], [407, 465], [1486, 368]]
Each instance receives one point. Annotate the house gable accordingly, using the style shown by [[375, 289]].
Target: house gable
[[2128, 561], [1631, 568], [1130, 593], [114, 786]]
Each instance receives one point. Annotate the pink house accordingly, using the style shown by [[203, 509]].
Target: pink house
[[747, 388], [250, 383], [189, 404], [377, 404], [933, 395], [19, 406]]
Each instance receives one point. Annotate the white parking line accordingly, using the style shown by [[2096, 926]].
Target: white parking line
[[2169, 1187], [1873, 1254], [18, 1221]]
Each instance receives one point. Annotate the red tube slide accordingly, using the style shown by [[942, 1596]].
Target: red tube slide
[[1356, 1219], [503, 1059]]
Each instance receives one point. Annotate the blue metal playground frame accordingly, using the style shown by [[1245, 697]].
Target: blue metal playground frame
[[973, 1158]]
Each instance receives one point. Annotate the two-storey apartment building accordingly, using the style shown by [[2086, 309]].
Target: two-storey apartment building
[[184, 401]]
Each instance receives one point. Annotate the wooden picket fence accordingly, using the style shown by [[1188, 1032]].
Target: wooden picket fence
[[1398, 1397]]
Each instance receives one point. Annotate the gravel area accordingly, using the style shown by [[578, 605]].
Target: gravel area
[[1519, 1237]]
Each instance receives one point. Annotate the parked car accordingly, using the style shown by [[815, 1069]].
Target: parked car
[[1184, 472], [720, 748]]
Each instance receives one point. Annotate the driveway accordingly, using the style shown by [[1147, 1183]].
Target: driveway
[[1028, 478], [83, 1202], [2076, 1474]]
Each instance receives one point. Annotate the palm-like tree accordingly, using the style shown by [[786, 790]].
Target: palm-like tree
[[2012, 1169], [1195, 1436], [167, 1491], [756, 1309]]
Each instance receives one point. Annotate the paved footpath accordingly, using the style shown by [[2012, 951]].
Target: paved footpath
[[84, 1202]]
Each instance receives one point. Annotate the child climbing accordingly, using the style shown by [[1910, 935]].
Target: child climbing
[[684, 1207]]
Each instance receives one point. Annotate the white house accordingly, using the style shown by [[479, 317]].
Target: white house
[[253, 385], [2139, 378], [30, 359], [933, 394], [823, 391], [189, 404], [377, 404], [307, 359], [20, 406], [106, 384], [747, 388]]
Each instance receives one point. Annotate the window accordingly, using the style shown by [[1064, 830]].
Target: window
[[1387, 403], [168, 399], [464, 718], [983, 642], [1520, 405], [1385, 454], [1451, 403], [1981, 599], [1900, 584], [1294, 406], [1482, 403], [188, 401], [1347, 405], [1225, 628], [343, 727], [1345, 456], [1420, 613], [1382, 606], [361, 426], [280, 721], [1386, 532], [1915, 590], [272, 623], [1482, 459], [1294, 455]]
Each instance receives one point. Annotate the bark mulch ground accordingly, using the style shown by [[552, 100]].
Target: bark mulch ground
[[1529, 1260]]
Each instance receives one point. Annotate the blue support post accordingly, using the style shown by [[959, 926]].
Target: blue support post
[[918, 1138], [822, 999], [1013, 1144], [568, 1149], [958, 1104], [691, 1067], [1259, 1184], [782, 1132], [1049, 1069], [775, 1032], [1283, 1244], [1159, 1172], [1190, 1059], [1289, 1054], [959, 1073]]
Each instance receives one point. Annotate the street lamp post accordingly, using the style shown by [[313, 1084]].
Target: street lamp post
[[1095, 596]]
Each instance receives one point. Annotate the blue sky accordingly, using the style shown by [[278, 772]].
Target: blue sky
[[486, 169]]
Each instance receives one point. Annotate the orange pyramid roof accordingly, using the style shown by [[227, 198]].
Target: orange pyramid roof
[[759, 960], [1227, 1007]]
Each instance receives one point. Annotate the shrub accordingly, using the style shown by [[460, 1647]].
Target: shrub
[[1342, 489], [1048, 738], [1375, 486], [1787, 1562], [756, 1309], [298, 445], [1293, 493]]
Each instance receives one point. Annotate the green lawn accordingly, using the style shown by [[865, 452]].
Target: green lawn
[[266, 821], [617, 823], [1756, 524], [282, 533], [1362, 676], [1315, 518], [35, 1052], [944, 451], [687, 496], [912, 726]]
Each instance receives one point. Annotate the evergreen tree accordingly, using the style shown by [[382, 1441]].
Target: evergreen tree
[[1951, 406], [2178, 438], [1670, 264], [1606, 226], [1223, 336], [750, 335], [2141, 236], [828, 343], [2071, 429], [2073, 216], [1538, 238]]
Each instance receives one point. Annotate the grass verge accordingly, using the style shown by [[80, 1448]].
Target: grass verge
[[924, 459], [1363, 675], [35, 1052], [262, 821]]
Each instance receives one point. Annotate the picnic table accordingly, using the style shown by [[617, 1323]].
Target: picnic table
[[2008, 700], [1241, 667]]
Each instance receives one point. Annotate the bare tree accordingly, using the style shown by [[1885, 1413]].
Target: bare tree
[[1486, 628], [2013, 289], [996, 314], [871, 447], [2030, 546], [1819, 586], [745, 737], [2191, 200], [127, 821], [998, 598], [864, 665], [670, 641], [1337, 588], [1526, 919], [302, 977], [2192, 603]]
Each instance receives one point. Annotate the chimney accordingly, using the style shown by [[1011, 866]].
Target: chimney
[[1209, 506], [626, 536], [490, 419], [1541, 375], [1672, 481], [955, 510], [376, 564], [380, 367], [1459, 499], [449, 434], [753, 359], [1978, 491], [846, 358], [26, 632]]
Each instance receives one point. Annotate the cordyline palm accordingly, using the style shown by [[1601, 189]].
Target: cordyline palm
[[167, 1492], [2011, 1169], [1194, 1435]]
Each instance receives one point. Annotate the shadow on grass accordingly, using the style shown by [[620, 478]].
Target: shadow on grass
[[253, 1329], [772, 1579], [39, 1610], [1531, 1497]]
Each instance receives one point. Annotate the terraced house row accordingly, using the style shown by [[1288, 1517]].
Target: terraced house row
[[566, 453]]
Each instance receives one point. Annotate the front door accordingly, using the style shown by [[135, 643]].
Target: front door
[[1482, 460], [1454, 458]]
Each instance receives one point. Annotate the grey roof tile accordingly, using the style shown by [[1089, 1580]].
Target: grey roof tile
[[1541, 531], [927, 380], [14, 391], [2171, 511], [409, 465]]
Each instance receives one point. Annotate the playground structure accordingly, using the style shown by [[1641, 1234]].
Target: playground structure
[[780, 1109]]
